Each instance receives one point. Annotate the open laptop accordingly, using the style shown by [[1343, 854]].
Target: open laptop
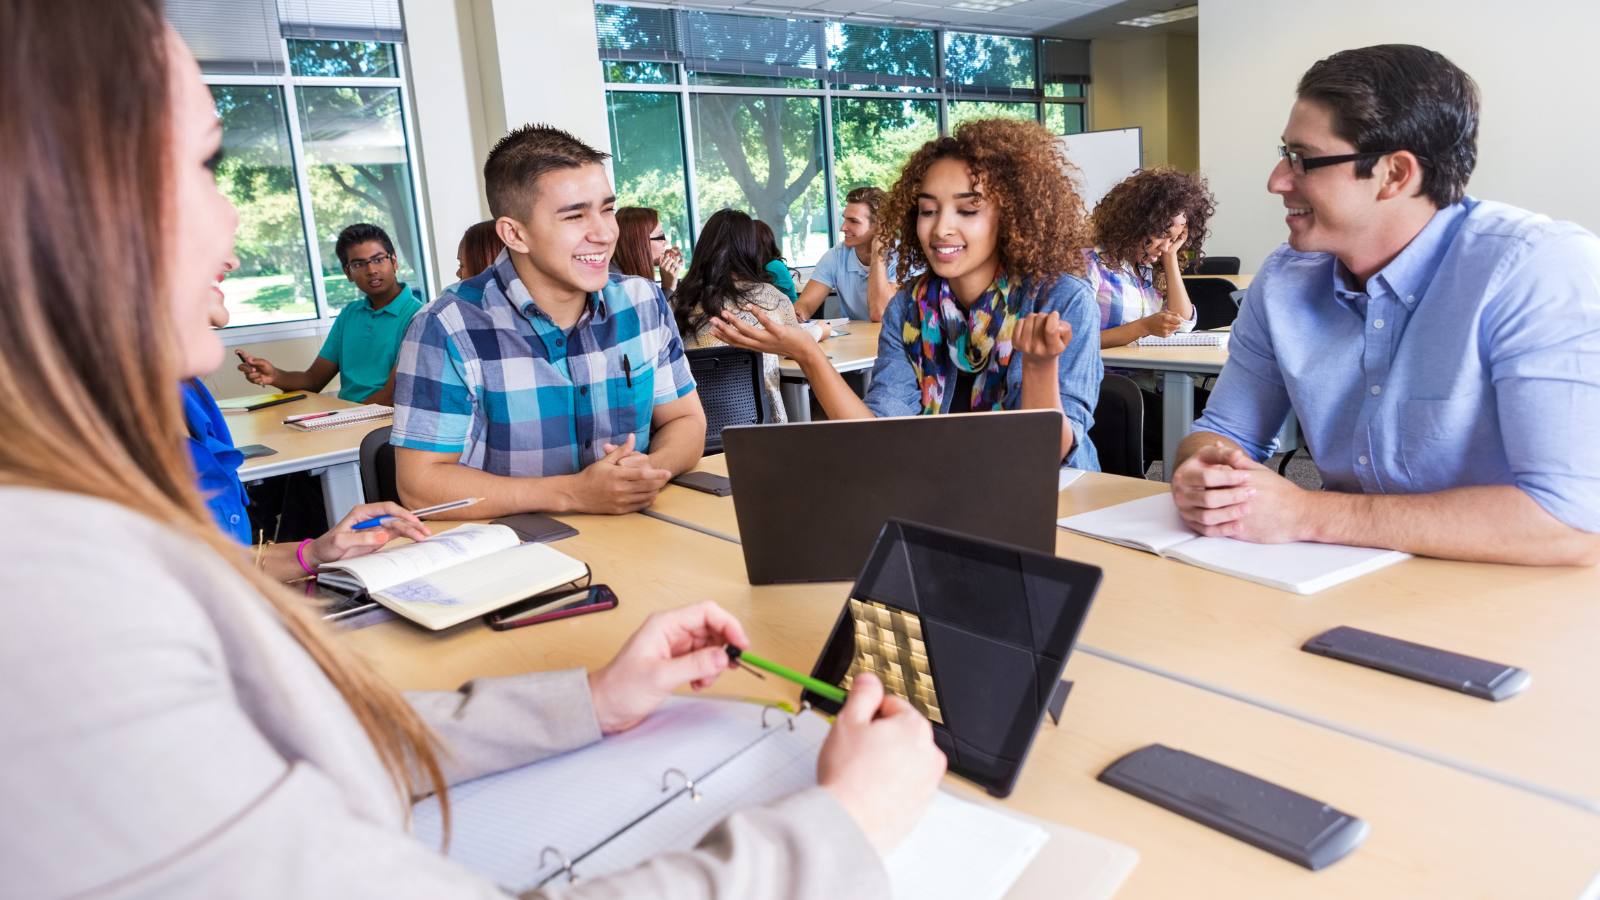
[[812, 497]]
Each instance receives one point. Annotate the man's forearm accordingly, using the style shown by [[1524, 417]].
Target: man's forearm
[[432, 483], [880, 290], [678, 445]]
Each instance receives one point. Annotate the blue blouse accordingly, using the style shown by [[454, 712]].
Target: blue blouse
[[216, 461]]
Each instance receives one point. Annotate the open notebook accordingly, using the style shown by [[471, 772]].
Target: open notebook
[[455, 575], [1153, 524], [352, 415], [605, 810], [1187, 339]]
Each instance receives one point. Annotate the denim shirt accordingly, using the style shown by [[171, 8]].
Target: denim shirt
[[1471, 359], [895, 392]]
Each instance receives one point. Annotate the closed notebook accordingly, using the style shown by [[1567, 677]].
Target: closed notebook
[[453, 576], [1153, 524], [615, 804], [372, 412], [1191, 339]]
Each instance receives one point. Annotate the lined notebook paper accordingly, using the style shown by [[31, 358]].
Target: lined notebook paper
[[369, 413], [1192, 339], [1152, 524], [604, 808]]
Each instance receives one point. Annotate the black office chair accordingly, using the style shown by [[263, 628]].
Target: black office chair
[[1118, 432], [1215, 265], [377, 466], [1212, 301], [729, 382]]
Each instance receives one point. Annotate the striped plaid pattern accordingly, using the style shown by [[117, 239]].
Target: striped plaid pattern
[[485, 373]]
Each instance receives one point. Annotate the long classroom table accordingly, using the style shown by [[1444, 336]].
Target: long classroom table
[[1244, 638], [1435, 831], [853, 352], [334, 456]]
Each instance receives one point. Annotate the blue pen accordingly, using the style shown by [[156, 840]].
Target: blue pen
[[425, 511]]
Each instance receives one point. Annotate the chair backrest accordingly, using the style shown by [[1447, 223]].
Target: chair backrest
[[377, 466], [1118, 432], [1218, 265], [728, 380], [1212, 300]]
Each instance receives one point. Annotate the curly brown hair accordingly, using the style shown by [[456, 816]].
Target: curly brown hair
[[1023, 170], [1142, 208]]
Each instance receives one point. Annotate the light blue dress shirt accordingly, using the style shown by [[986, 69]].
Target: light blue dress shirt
[[895, 392], [841, 269], [1472, 359]]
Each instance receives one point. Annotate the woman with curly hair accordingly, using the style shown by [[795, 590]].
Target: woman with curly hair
[[998, 229], [1141, 228]]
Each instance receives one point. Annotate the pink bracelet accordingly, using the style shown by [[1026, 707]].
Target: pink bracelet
[[299, 553]]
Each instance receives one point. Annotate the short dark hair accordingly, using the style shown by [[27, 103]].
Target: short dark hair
[[359, 234], [1402, 97], [871, 196], [512, 172]]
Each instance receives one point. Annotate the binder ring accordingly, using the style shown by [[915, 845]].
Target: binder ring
[[566, 865], [766, 709], [688, 782]]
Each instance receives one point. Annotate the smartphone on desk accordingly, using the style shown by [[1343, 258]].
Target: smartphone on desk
[[561, 603], [711, 483]]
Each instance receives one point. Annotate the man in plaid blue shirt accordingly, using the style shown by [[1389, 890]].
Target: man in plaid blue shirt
[[545, 383]]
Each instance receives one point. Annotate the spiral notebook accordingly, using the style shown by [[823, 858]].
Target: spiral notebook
[[1192, 339], [661, 786], [369, 413]]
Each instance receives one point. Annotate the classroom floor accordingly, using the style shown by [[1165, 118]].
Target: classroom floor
[[1302, 470]]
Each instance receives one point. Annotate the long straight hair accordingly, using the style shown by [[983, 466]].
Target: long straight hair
[[634, 253], [480, 246], [728, 252], [89, 370], [769, 242]]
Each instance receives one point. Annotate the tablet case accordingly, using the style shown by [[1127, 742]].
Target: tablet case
[[974, 633]]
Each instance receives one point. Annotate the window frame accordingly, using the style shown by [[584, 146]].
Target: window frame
[[290, 84]]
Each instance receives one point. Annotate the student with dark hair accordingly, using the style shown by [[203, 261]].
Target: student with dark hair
[[546, 383], [1437, 349], [729, 274], [1001, 318], [857, 267], [776, 264], [477, 251], [642, 248], [365, 339]]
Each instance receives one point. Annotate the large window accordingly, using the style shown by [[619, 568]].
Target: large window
[[784, 116], [314, 114]]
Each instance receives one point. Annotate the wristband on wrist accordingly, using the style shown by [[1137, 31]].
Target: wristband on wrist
[[299, 554]]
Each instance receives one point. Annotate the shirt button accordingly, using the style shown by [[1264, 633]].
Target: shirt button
[[560, 342], [586, 444], [1377, 323], [1362, 460], [1376, 389], [233, 519], [1410, 298]]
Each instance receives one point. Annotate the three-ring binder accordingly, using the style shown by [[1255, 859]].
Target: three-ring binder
[[566, 864], [694, 794], [788, 716]]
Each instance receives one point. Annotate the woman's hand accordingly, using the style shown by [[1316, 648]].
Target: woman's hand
[[1161, 324], [1041, 338], [671, 263], [671, 648], [344, 542], [770, 337], [1175, 245]]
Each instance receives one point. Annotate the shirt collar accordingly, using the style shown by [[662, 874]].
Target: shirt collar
[[1408, 275], [505, 275], [389, 307]]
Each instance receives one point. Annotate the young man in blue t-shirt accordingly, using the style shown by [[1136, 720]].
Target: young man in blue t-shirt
[[365, 340], [857, 268]]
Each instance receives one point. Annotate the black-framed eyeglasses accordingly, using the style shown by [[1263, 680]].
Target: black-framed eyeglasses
[[658, 237], [1303, 164], [361, 265]]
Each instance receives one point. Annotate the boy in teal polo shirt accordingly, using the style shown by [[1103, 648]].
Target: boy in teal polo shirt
[[365, 340]]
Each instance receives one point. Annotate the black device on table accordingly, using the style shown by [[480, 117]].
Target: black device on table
[[984, 628], [708, 482], [1467, 674], [560, 603], [993, 475], [536, 528]]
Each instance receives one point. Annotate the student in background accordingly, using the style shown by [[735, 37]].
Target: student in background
[[1438, 350], [477, 251], [1142, 229], [858, 267], [365, 339], [546, 384], [178, 723], [781, 279], [1002, 318], [642, 248], [729, 274]]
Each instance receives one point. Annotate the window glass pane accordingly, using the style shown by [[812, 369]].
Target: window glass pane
[[989, 60], [872, 138], [715, 79], [880, 50], [964, 110], [647, 138], [273, 283], [640, 73], [364, 59], [1057, 89], [1063, 118], [764, 155], [355, 146]]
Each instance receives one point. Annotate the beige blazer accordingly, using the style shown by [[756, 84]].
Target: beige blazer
[[162, 735]]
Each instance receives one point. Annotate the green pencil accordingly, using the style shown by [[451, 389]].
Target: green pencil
[[735, 655]]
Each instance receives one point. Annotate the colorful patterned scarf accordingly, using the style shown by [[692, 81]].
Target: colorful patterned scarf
[[943, 339]]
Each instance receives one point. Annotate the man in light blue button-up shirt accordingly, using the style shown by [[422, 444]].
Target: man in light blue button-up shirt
[[1442, 353]]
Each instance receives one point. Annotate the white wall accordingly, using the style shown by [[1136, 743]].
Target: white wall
[[1533, 63]]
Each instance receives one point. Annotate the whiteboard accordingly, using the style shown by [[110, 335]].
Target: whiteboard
[[1104, 159]]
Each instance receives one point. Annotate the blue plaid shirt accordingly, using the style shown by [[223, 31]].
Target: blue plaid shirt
[[485, 373]]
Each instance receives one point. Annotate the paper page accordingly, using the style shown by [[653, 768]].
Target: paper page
[[1067, 477], [481, 584], [993, 849], [1302, 567], [394, 565], [1150, 523]]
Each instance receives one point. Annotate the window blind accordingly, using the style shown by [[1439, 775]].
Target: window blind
[[230, 37], [877, 54], [989, 65], [637, 35], [341, 20], [1064, 62], [752, 45]]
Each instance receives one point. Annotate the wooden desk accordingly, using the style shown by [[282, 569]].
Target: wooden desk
[[853, 352], [1177, 366], [334, 455], [1239, 281], [1435, 831]]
